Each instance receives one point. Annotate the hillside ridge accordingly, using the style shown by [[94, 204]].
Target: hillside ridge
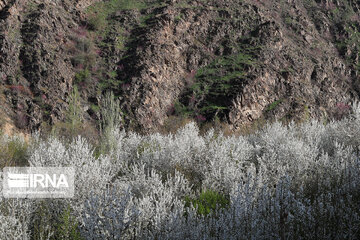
[[237, 62]]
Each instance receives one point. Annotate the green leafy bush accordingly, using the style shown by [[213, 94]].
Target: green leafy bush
[[82, 77], [208, 202]]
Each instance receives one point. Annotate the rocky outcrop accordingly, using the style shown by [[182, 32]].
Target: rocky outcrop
[[36, 69], [298, 72]]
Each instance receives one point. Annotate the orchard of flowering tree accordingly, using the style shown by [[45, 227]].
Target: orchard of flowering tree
[[281, 182]]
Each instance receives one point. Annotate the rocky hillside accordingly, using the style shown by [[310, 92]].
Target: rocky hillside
[[235, 61]]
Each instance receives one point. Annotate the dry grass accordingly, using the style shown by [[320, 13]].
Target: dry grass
[[69, 132], [173, 123], [13, 153]]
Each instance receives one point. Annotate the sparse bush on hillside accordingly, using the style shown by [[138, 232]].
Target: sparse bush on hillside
[[82, 76], [74, 114], [74, 124], [99, 13], [294, 181]]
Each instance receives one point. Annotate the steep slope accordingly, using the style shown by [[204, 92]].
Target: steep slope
[[36, 71], [240, 61], [237, 61]]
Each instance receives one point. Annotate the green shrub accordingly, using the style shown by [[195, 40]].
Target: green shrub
[[67, 228], [47, 224], [220, 81], [182, 110], [179, 17], [83, 60], [42, 222], [208, 202], [273, 105], [96, 21], [82, 76], [111, 82]]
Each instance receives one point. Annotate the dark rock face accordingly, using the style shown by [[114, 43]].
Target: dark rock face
[[36, 71], [236, 60]]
